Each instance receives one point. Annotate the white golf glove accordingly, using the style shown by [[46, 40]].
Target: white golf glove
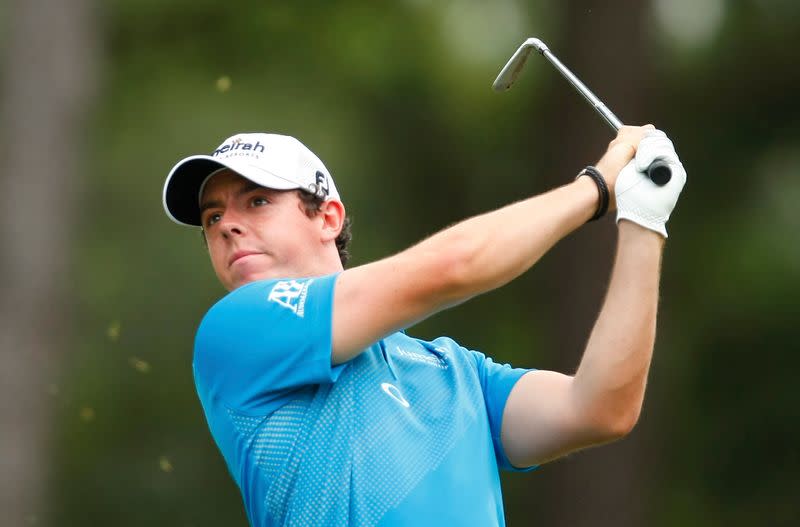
[[638, 198]]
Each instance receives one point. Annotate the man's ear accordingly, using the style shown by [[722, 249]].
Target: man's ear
[[332, 213]]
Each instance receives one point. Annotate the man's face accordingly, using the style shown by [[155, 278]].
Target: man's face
[[254, 233]]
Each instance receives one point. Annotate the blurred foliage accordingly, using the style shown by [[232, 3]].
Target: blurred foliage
[[396, 98]]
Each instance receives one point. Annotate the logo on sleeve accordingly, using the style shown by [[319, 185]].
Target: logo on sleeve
[[291, 294], [430, 360]]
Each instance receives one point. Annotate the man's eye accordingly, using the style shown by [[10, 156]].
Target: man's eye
[[259, 201], [213, 218]]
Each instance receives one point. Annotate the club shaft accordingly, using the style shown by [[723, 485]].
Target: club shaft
[[598, 105], [659, 170]]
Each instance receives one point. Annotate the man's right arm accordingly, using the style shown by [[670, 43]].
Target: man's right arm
[[474, 256]]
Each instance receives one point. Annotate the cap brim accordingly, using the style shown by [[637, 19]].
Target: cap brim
[[182, 188]]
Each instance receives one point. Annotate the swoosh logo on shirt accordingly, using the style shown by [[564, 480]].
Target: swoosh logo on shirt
[[393, 392]]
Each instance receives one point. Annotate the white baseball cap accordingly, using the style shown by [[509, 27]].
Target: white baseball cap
[[274, 161]]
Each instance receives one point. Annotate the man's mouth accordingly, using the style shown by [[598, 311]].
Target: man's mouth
[[238, 255]]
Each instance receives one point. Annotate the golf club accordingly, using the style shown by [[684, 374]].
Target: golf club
[[658, 171]]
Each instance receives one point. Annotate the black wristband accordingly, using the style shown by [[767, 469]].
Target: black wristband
[[602, 188]]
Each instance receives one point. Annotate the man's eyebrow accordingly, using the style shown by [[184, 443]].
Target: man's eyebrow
[[209, 205], [246, 187], [249, 186]]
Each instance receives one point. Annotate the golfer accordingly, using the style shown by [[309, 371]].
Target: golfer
[[327, 413]]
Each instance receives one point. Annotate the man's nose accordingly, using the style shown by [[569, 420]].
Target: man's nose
[[231, 226]]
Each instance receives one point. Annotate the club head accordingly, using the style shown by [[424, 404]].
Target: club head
[[511, 70]]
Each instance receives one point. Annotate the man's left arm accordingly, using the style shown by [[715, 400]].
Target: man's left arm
[[548, 414]]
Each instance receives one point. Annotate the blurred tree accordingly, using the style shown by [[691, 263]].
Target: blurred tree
[[48, 75], [604, 44]]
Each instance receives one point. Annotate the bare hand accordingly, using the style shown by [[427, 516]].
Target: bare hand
[[620, 151]]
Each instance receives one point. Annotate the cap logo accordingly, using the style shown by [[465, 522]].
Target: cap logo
[[322, 186], [239, 147]]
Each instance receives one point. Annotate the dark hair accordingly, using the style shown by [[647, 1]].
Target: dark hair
[[312, 205]]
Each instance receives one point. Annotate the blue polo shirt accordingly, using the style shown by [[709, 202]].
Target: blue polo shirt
[[406, 433]]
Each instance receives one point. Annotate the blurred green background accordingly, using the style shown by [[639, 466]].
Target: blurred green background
[[102, 293]]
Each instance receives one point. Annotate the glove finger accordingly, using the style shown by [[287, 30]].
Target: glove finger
[[678, 173], [652, 148], [628, 178], [655, 133]]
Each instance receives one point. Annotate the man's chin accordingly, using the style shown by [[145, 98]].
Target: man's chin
[[249, 278]]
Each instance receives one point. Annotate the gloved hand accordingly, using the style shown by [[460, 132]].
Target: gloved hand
[[638, 198]]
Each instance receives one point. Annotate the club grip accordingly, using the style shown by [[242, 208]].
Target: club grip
[[659, 172]]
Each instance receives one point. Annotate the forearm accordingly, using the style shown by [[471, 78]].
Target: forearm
[[610, 381], [469, 258], [498, 246]]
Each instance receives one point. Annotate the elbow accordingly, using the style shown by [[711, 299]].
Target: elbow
[[610, 407], [614, 423], [623, 424]]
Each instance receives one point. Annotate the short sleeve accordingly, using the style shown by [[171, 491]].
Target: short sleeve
[[265, 339], [497, 380]]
